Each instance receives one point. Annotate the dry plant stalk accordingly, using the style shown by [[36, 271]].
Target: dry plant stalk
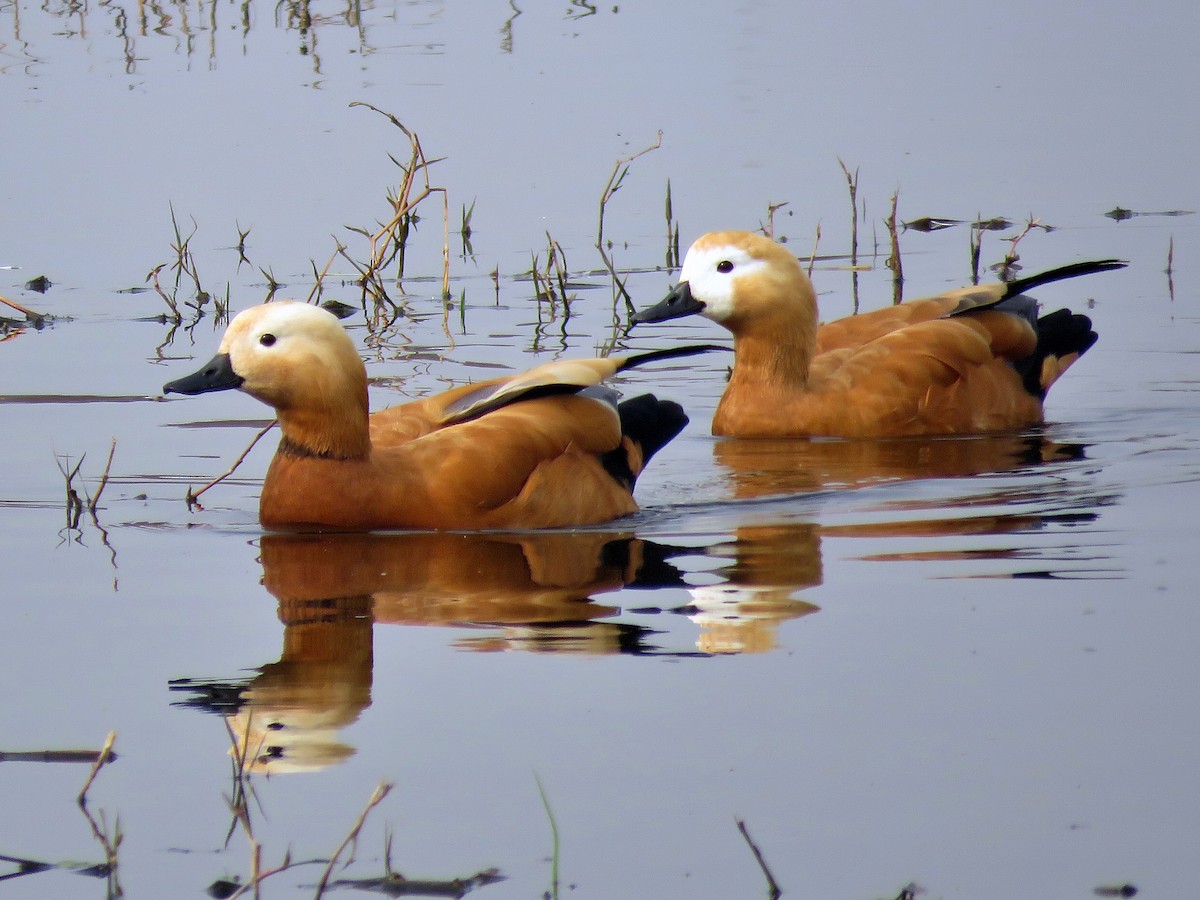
[[109, 840], [1009, 267], [812, 256], [319, 277], [351, 840], [976, 246], [852, 186], [893, 261], [769, 228], [94, 502], [388, 243], [183, 266], [615, 179], [74, 504], [672, 232]]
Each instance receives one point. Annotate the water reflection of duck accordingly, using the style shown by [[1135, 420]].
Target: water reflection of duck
[[993, 507], [767, 565], [973, 360], [333, 589], [765, 467]]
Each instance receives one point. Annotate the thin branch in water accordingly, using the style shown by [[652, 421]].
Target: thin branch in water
[[553, 838], [351, 839], [773, 890], [193, 497]]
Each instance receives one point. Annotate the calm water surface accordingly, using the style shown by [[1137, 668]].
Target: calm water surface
[[967, 664]]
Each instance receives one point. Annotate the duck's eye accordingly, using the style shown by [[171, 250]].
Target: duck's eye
[[725, 267], [267, 340]]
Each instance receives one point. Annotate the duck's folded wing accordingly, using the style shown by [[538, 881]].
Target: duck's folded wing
[[533, 464], [564, 376], [1006, 297]]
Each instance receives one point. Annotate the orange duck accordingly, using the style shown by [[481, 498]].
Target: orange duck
[[547, 448], [973, 360]]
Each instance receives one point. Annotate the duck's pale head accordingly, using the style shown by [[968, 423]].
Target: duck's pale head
[[729, 276], [298, 359], [285, 354]]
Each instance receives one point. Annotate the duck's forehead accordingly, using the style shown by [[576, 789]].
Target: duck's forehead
[[279, 315], [710, 250], [705, 257]]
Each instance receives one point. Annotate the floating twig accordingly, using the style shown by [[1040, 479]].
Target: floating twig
[[55, 756], [773, 890], [1171, 267]]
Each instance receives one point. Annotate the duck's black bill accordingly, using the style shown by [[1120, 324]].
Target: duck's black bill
[[217, 375], [679, 302]]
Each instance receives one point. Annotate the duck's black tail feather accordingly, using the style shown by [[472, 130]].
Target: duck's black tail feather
[[1029, 282], [1063, 336], [638, 359], [649, 423]]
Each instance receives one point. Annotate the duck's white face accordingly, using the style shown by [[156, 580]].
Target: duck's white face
[[712, 271]]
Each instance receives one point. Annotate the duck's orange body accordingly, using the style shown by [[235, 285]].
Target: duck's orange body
[[543, 449], [973, 360]]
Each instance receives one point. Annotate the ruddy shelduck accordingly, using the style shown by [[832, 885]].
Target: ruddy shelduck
[[547, 448], [973, 360]]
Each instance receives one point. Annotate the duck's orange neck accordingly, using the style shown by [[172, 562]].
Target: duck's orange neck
[[774, 353], [329, 429]]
